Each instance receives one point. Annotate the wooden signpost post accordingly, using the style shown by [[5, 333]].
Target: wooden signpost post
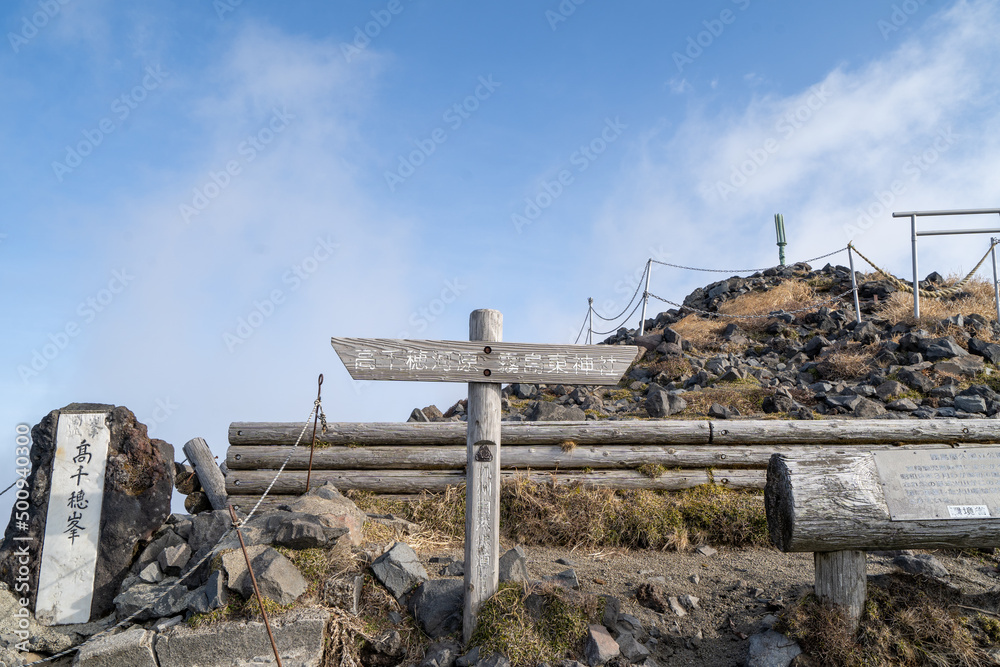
[[484, 363]]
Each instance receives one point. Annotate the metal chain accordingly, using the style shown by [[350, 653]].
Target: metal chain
[[605, 333], [316, 406], [637, 287], [692, 268], [582, 327], [755, 317]]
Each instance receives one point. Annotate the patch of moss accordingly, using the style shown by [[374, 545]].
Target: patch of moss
[[652, 470], [620, 394], [551, 631], [906, 621]]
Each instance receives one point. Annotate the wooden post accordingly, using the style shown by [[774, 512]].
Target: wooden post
[[482, 486], [212, 481], [841, 580]]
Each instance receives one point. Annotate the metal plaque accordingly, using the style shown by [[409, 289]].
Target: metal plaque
[[483, 454], [922, 484]]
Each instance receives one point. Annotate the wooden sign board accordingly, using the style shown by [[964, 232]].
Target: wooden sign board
[[484, 363], [945, 484], [73, 519], [460, 361]]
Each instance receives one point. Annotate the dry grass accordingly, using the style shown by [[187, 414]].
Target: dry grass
[[907, 621], [702, 333], [743, 395], [571, 515], [675, 368], [977, 299], [849, 363], [786, 295]]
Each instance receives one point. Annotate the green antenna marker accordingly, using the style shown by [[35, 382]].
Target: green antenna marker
[[779, 228]]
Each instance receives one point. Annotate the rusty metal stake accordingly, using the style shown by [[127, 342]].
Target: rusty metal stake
[[312, 448], [253, 579]]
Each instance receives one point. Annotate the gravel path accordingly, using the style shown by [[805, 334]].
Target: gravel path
[[736, 589]]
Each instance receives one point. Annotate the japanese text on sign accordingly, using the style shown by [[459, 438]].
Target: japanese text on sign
[[941, 484]]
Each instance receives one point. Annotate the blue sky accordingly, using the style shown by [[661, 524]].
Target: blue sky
[[198, 195]]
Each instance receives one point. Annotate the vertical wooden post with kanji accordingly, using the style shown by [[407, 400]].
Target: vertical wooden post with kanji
[[482, 479]]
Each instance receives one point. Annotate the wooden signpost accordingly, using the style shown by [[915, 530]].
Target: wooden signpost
[[484, 363]]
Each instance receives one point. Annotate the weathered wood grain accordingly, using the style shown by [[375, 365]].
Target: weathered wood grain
[[494, 362], [648, 432], [454, 433], [245, 482], [856, 431], [212, 481], [534, 457], [835, 503], [482, 497], [842, 580]]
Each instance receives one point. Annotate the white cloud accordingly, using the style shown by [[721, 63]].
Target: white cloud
[[820, 154]]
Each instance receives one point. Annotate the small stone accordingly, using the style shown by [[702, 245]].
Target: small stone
[[689, 601], [972, 403], [771, 648], [513, 566], [694, 579], [924, 564], [173, 559], [399, 569], [890, 389], [455, 569], [630, 649], [418, 416], [902, 405], [601, 647], [706, 550], [151, 574], [676, 607]]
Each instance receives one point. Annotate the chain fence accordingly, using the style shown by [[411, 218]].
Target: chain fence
[[636, 301]]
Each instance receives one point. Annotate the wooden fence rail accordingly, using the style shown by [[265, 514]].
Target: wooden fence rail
[[407, 458], [639, 432]]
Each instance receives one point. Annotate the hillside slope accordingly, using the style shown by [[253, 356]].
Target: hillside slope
[[786, 343]]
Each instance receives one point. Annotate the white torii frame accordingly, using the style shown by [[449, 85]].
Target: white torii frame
[[913, 215]]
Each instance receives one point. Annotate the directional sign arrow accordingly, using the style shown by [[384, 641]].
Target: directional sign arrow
[[463, 361]]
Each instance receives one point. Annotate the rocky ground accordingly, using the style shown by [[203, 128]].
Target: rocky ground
[[818, 363]]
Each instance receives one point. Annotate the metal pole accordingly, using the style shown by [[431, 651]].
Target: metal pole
[[996, 287], [645, 298], [779, 228], [916, 280], [590, 326], [854, 283], [256, 590], [312, 447]]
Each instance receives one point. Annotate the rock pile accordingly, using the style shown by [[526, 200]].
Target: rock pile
[[798, 365]]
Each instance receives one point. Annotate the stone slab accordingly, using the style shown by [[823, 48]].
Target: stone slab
[[945, 484], [132, 648], [299, 635], [73, 522]]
